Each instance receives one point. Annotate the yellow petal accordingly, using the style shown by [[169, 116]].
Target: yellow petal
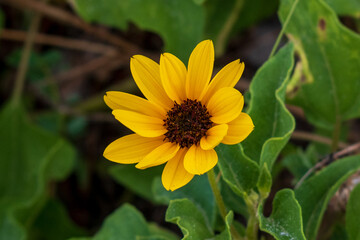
[[174, 175], [200, 69], [228, 76], [213, 137], [225, 105], [173, 76], [131, 148], [199, 161], [141, 124], [239, 129], [124, 101], [159, 155], [146, 74]]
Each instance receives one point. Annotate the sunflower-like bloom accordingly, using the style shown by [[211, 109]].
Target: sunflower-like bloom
[[184, 117]]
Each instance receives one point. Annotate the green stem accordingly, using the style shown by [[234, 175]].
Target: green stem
[[24, 62], [253, 222], [220, 202], [225, 31], [283, 28]]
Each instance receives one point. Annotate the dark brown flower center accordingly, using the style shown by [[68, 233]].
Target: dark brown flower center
[[187, 123]]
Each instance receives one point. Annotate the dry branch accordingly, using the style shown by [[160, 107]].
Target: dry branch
[[16, 35]]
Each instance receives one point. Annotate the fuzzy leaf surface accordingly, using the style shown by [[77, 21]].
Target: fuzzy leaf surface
[[189, 218], [285, 221]]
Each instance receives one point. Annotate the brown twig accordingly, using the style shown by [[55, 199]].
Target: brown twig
[[296, 111], [86, 69], [300, 135], [72, 20], [329, 159], [82, 45]]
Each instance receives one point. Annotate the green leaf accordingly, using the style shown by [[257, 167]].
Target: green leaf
[[128, 176], [314, 194], [161, 233], [329, 53], [128, 223], [124, 223], [285, 221], [29, 158], [226, 234], [238, 171], [349, 7], [353, 214], [265, 182], [203, 199], [189, 218], [179, 22], [273, 122], [52, 218]]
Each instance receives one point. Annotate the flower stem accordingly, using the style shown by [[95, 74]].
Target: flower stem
[[24, 62], [253, 222], [225, 31], [336, 134], [283, 28], [220, 203]]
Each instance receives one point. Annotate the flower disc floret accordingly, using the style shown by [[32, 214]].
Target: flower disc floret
[[187, 123]]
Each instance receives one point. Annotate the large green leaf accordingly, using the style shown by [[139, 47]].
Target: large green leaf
[[128, 223], [238, 171], [330, 58], [353, 214], [273, 122], [189, 218], [285, 221], [348, 7], [29, 158], [179, 22], [128, 176], [314, 194], [203, 199]]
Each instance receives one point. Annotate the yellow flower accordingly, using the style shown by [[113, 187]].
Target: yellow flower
[[184, 116]]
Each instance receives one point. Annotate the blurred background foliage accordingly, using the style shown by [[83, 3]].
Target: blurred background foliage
[[58, 58]]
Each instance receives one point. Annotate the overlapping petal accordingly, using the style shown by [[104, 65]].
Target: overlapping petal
[[159, 155], [225, 105], [141, 124], [200, 69], [239, 129], [199, 161], [228, 76], [173, 76], [131, 148], [146, 74], [174, 175], [214, 136], [125, 101]]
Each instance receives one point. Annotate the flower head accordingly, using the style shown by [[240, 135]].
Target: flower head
[[184, 117]]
